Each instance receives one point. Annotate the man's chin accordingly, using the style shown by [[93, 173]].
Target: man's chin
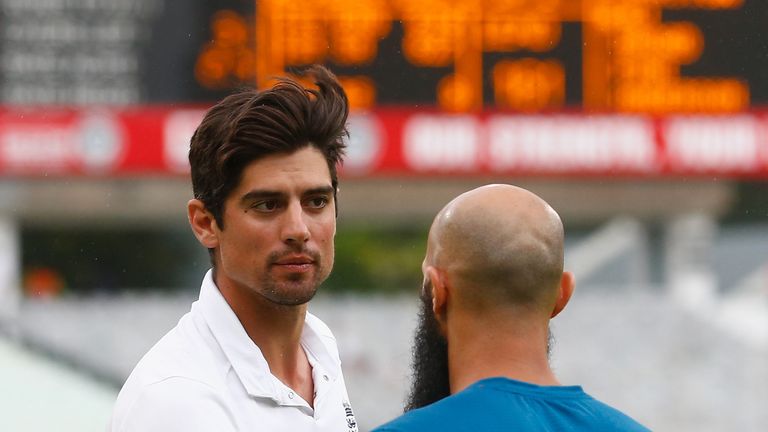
[[291, 292]]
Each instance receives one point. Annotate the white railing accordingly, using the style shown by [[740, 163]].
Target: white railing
[[10, 265], [616, 237], [743, 310]]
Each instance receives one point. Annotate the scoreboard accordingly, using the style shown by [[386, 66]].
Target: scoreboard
[[626, 56], [631, 56]]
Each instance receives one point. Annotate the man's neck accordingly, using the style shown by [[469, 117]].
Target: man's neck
[[480, 350], [277, 331]]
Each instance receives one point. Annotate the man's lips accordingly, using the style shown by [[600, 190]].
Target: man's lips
[[295, 260], [294, 263]]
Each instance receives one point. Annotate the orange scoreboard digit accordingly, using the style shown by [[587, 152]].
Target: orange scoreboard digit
[[649, 56]]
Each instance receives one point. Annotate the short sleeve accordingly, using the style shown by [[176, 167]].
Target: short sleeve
[[177, 404]]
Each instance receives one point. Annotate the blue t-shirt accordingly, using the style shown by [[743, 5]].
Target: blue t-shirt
[[502, 404]]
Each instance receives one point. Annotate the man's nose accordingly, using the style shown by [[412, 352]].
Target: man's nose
[[295, 229]]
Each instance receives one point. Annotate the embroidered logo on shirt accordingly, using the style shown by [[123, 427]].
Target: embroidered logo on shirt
[[351, 422]]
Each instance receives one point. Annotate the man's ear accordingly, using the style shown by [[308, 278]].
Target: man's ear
[[439, 295], [203, 224], [565, 290]]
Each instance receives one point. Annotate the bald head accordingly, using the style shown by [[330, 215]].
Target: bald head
[[499, 245]]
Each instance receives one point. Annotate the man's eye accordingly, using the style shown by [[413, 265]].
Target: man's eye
[[317, 202], [265, 206]]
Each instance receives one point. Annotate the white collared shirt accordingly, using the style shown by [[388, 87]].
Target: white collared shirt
[[206, 374]]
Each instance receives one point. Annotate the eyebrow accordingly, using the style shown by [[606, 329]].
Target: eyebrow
[[257, 194], [327, 190]]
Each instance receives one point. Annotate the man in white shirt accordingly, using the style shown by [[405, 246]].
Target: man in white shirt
[[249, 356]]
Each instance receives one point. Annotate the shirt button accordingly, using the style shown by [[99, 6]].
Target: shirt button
[[325, 377], [290, 395]]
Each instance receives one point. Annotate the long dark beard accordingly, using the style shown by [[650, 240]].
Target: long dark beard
[[430, 380]]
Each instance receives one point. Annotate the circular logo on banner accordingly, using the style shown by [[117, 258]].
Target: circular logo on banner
[[101, 141], [364, 144], [178, 129]]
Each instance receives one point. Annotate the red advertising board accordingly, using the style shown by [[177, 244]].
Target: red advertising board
[[387, 142]]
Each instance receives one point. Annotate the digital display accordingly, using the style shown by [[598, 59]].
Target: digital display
[[649, 56], [74, 52], [531, 56]]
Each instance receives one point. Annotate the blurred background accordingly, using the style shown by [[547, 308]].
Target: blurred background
[[643, 122]]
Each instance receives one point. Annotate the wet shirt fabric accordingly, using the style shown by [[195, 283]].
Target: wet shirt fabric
[[206, 374], [501, 404]]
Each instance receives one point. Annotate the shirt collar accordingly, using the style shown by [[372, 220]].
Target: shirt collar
[[244, 355]]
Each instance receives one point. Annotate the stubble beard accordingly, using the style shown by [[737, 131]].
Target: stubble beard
[[298, 288], [430, 379]]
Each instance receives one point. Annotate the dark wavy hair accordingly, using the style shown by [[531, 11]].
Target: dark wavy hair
[[251, 124]]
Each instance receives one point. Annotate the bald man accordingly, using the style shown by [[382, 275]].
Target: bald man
[[493, 278]]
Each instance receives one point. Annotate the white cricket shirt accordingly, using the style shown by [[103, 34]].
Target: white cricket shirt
[[206, 374]]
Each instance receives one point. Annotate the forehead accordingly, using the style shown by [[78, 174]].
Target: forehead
[[304, 168]]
